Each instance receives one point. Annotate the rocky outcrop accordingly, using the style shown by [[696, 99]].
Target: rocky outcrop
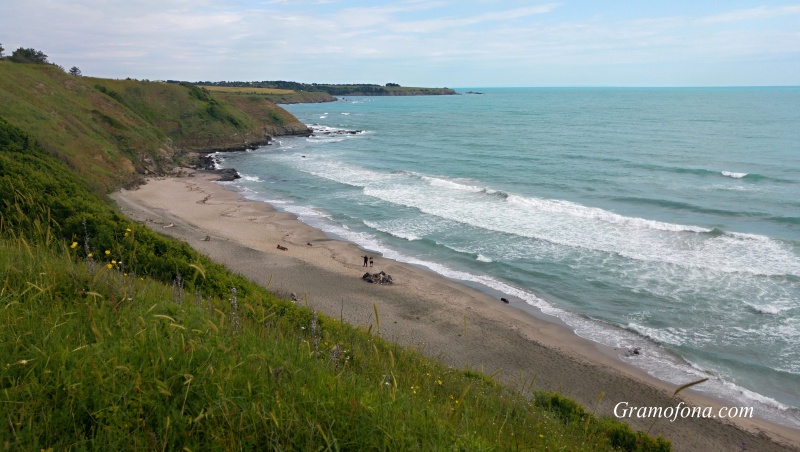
[[377, 278]]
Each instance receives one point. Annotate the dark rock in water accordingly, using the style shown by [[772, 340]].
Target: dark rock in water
[[227, 174], [377, 278], [335, 132], [633, 352], [504, 300], [208, 163]]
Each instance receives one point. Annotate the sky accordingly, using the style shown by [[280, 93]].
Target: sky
[[431, 43]]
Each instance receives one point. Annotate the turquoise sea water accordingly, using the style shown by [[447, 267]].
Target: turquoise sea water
[[665, 219]]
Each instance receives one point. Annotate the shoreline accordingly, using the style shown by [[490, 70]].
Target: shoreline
[[445, 319]]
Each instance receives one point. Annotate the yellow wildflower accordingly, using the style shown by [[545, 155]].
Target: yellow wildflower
[[108, 252], [110, 266], [74, 244]]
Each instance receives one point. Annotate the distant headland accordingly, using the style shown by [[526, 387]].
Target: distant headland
[[295, 92]]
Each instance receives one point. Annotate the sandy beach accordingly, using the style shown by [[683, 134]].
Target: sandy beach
[[460, 325]]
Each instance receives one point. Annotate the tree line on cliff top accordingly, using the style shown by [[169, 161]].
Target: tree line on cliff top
[[32, 56], [355, 89]]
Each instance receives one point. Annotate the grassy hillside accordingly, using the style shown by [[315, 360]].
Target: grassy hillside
[[111, 130], [274, 95], [314, 90], [115, 338]]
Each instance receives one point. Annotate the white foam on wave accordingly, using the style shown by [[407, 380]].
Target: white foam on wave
[[326, 138], [768, 309], [654, 360], [483, 258], [247, 178], [734, 175], [556, 206], [403, 233], [660, 335], [566, 223], [449, 184], [575, 226], [217, 159]]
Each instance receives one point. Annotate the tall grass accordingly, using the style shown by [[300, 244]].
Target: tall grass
[[95, 358], [111, 131], [99, 351]]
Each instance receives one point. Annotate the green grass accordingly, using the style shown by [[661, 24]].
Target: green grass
[[257, 95], [96, 359], [115, 338], [112, 131], [248, 90]]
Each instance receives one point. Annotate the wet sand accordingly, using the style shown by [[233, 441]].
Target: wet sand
[[426, 311]]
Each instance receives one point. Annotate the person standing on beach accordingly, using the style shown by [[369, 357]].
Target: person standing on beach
[[370, 262], [366, 260]]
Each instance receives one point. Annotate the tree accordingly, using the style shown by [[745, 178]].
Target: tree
[[22, 55], [1, 50], [75, 70]]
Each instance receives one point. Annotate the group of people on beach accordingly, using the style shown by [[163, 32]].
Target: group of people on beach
[[367, 260]]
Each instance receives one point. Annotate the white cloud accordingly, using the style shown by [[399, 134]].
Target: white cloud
[[427, 26], [314, 39], [761, 12]]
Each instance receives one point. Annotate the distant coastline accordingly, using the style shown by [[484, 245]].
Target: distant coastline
[[295, 92]]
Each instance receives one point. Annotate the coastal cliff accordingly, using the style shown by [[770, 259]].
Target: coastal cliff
[[113, 132]]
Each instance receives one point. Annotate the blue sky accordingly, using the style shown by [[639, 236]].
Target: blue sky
[[465, 43]]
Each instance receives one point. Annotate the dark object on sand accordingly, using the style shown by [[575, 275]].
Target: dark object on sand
[[282, 248], [377, 278], [633, 351], [504, 300]]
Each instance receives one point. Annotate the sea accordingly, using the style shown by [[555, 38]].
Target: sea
[[663, 219]]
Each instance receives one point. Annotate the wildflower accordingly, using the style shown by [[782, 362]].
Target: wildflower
[[109, 266], [108, 252], [89, 255], [74, 245], [234, 316], [127, 229], [113, 262], [336, 353], [439, 381], [126, 234], [314, 330]]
